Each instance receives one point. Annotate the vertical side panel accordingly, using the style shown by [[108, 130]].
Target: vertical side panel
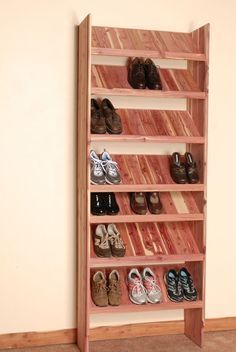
[[195, 318], [84, 68]]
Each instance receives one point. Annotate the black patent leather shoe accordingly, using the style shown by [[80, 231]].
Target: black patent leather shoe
[[177, 169], [191, 168], [153, 79], [136, 74], [97, 204], [112, 208]]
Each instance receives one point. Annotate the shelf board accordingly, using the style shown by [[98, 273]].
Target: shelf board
[[163, 126], [151, 243], [146, 139], [144, 260], [172, 187], [128, 306], [144, 43], [112, 80], [177, 207], [108, 219]]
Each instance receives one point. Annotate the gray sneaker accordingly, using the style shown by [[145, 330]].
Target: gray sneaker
[[137, 292], [97, 175], [150, 283], [112, 173]]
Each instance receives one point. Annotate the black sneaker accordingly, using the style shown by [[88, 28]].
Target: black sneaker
[[111, 206], [173, 286], [189, 290]]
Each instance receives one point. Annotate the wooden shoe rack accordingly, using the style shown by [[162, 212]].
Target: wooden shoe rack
[[176, 237]]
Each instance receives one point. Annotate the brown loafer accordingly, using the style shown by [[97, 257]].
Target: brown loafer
[[177, 169], [154, 202], [98, 124], [112, 119], [191, 168], [138, 203], [136, 74]]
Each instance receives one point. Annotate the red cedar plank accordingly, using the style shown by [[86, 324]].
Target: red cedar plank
[[145, 169], [135, 169], [178, 122], [168, 204], [180, 245], [159, 123], [146, 39], [124, 38], [147, 121], [147, 238], [126, 238], [190, 202], [167, 79], [185, 80], [153, 230], [135, 239], [170, 130]]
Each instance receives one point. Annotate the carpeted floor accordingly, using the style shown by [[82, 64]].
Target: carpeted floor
[[214, 342]]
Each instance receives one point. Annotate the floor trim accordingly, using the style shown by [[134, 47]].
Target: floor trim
[[32, 339]]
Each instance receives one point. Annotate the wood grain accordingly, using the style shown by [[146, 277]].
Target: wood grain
[[108, 80], [144, 43], [83, 286], [154, 125]]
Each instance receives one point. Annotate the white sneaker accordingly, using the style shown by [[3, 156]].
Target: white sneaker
[[150, 283], [137, 292]]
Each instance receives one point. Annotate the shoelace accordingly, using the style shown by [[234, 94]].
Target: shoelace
[[101, 286], [97, 163], [110, 167], [137, 287], [114, 286], [188, 285], [151, 285], [104, 242], [116, 240]]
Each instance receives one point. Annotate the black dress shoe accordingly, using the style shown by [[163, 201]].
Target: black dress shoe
[[111, 206], [191, 168], [97, 204], [177, 169], [153, 80], [136, 74]]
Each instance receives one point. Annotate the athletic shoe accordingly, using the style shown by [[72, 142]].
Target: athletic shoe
[[137, 292], [116, 243], [150, 283], [173, 286], [111, 170], [189, 290], [99, 289], [101, 242], [97, 174], [114, 288]]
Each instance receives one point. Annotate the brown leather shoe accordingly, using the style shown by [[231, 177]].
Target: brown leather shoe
[[98, 124], [191, 168], [154, 202], [177, 169], [101, 242], [136, 74], [153, 80], [114, 288], [138, 203], [113, 121], [99, 289]]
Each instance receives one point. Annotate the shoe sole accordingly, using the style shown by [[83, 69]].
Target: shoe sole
[[97, 183], [112, 183], [150, 301], [140, 304]]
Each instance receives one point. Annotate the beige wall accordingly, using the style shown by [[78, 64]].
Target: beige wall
[[37, 152]]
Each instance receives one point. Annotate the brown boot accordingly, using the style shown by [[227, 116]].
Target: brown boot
[[114, 293], [99, 289]]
